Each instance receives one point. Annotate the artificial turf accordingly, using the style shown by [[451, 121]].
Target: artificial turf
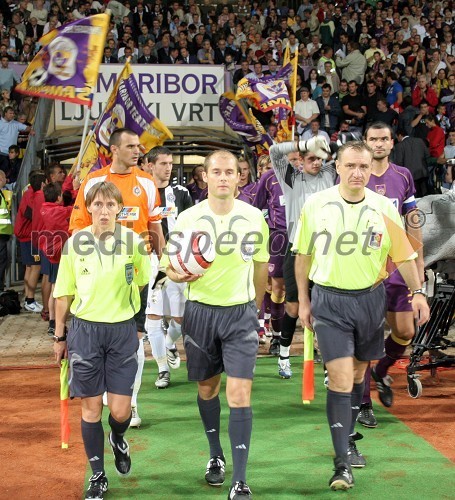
[[291, 451]]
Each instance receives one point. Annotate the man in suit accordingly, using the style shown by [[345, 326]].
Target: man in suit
[[330, 110], [222, 51], [186, 58], [128, 53], [33, 29], [108, 57], [412, 153], [147, 57]]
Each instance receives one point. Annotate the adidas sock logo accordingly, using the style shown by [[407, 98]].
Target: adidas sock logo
[[240, 447]]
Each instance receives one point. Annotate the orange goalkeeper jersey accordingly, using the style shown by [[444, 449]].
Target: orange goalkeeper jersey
[[141, 200]]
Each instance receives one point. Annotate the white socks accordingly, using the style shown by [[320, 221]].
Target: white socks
[[157, 340], [140, 368]]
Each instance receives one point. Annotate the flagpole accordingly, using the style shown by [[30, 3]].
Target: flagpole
[[84, 135]]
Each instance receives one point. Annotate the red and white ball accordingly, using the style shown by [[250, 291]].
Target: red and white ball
[[191, 252]]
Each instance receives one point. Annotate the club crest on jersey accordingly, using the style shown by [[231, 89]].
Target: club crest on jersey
[[170, 197], [129, 273], [375, 239], [380, 189], [137, 190], [271, 268]]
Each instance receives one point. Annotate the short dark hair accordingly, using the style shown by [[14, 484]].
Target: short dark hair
[[14, 148], [116, 136], [378, 126], [36, 179], [52, 191], [153, 154]]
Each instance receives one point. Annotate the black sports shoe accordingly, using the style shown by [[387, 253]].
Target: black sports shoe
[[121, 453], [239, 490], [214, 473], [97, 486], [274, 348], [342, 479], [384, 389], [366, 416], [355, 458]]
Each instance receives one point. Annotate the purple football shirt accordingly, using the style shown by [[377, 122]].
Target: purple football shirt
[[269, 196]]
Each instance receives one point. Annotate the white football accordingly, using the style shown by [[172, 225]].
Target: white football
[[191, 252]]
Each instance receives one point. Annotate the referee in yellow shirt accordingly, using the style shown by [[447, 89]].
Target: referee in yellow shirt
[[344, 237], [102, 269], [220, 320]]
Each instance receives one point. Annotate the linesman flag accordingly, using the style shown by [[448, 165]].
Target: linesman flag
[[125, 108], [66, 67]]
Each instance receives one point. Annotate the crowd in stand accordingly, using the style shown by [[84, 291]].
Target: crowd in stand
[[358, 61]]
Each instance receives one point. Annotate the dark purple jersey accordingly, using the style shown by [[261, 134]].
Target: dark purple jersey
[[269, 196], [397, 184], [195, 192]]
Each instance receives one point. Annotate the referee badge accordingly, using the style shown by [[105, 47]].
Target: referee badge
[[129, 273], [247, 251], [375, 240]]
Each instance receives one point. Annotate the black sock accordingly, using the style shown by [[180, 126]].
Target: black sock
[[93, 437], [240, 427], [52, 323], [118, 428], [356, 401], [210, 410], [287, 330], [339, 416], [29, 301]]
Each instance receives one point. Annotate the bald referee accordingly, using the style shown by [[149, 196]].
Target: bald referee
[[343, 239], [220, 320]]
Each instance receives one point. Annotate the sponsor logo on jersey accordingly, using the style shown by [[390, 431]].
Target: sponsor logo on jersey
[[169, 211], [85, 272], [128, 214]]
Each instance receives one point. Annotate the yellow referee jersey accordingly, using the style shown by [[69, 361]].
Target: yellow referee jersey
[[350, 242], [103, 275]]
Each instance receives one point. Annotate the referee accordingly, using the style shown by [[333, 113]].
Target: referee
[[101, 272], [343, 239], [220, 320]]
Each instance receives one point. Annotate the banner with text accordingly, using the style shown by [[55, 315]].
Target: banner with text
[[178, 95]]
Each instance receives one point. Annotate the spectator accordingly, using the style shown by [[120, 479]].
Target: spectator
[[314, 131], [354, 108], [6, 228], [369, 53], [7, 76], [444, 122], [384, 113], [412, 153], [206, 55], [9, 132], [371, 99], [331, 76], [423, 92], [305, 110], [353, 65], [108, 57], [394, 92], [436, 137], [241, 72], [13, 166], [329, 109], [197, 184], [419, 122]]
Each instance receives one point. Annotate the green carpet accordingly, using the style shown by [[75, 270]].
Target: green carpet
[[291, 452]]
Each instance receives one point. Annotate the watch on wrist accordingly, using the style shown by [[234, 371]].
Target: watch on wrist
[[59, 339], [418, 291]]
